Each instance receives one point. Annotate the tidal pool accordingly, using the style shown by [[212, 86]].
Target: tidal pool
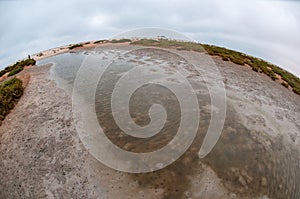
[[251, 162]]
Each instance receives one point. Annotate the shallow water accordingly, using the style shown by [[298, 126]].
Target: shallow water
[[251, 163]]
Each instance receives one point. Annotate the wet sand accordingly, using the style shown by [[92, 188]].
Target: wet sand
[[41, 155]]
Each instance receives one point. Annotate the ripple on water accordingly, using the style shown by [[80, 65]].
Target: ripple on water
[[250, 163]]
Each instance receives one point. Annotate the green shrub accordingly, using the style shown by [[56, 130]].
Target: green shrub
[[28, 62], [100, 41], [296, 90], [15, 71], [17, 67], [165, 43], [237, 60], [285, 84], [3, 72], [255, 68], [146, 42], [120, 41], [182, 48], [75, 46], [10, 92]]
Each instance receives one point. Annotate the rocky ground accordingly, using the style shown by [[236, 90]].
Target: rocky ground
[[41, 155]]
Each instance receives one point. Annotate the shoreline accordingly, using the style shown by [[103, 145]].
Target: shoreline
[[280, 79], [40, 147], [57, 158]]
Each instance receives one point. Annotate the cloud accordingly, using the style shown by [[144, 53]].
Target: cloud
[[267, 29]]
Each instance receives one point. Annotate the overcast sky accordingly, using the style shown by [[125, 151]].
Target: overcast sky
[[265, 28]]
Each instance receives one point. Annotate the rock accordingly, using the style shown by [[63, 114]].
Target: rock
[[128, 146], [264, 181], [247, 177], [242, 181], [232, 195], [188, 194], [68, 123]]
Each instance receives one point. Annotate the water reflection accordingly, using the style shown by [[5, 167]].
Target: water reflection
[[249, 162]]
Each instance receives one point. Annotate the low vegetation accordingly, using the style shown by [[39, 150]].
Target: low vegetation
[[101, 41], [164, 43], [286, 85], [257, 65], [10, 92], [75, 46], [114, 41], [17, 67]]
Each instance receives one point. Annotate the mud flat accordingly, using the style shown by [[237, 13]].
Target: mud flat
[[257, 156]]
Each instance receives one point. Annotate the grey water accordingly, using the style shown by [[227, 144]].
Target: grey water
[[272, 171]]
